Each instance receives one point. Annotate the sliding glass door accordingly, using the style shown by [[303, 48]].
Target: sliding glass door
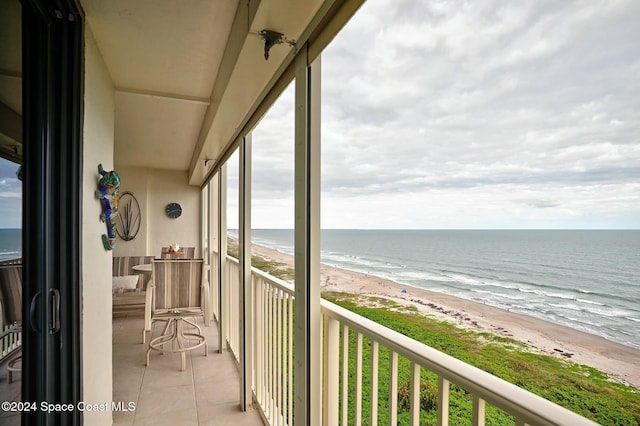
[[52, 39]]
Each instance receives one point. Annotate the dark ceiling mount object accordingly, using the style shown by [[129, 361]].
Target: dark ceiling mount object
[[271, 38]]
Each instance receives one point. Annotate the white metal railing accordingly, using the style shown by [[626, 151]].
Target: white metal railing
[[526, 407], [272, 380], [214, 291], [11, 341], [232, 301], [272, 304], [273, 360]]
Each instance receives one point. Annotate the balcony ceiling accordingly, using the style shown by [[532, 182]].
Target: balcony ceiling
[[187, 74]]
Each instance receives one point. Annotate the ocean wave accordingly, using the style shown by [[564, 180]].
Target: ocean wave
[[497, 296], [568, 306], [612, 312], [591, 310], [424, 276], [10, 254], [549, 294], [538, 275], [591, 302], [593, 326]]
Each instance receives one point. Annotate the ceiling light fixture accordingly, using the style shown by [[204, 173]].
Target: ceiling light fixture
[[271, 38]]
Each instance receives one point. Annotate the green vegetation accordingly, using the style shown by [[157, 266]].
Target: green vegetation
[[579, 388], [276, 269]]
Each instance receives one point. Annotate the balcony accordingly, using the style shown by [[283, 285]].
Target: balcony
[[170, 136], [208, 392]]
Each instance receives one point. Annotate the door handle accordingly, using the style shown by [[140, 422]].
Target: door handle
[[32, 313], [54, 297]]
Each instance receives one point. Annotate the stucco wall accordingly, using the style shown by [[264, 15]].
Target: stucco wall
[[96, 261], [154, 189]]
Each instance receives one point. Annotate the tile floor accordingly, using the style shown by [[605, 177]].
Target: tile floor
[[206, 393]]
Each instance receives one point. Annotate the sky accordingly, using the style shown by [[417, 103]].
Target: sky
[[461, 115], [10, 196], [468, 115]]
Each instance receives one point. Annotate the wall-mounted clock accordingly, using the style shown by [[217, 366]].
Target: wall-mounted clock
[[173, 210]]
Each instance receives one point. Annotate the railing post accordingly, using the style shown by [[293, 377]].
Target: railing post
[[374, 382], [290, 363], [415, 394], [358, 378], [478, 411], [258, 321], [278, 352], [331, 352], [443, 401], [345, 375], [393, 388]]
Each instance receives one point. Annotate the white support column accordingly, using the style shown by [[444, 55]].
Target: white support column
[[245, 307], [222, 258], [214, 208], [307, 356]]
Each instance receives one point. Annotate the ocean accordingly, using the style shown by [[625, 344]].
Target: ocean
[[10, 244], [586, 280]]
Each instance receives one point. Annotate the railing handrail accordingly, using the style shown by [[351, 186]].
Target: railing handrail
[[11, 262], [502, 394], [275, 281]]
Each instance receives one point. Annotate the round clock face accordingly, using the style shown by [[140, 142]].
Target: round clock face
[[174, 210]]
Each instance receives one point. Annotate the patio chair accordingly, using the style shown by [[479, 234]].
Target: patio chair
[[11, 301], [177, 294]]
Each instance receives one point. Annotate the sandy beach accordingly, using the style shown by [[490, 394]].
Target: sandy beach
[[621, 362]]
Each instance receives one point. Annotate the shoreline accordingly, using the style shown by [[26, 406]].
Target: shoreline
[[621, 362]]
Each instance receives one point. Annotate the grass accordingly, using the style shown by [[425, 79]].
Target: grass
[[276, 269], [579, 388]]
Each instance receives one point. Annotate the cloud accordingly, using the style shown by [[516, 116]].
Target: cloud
[[10, 195], [10, 185], [471, 114]]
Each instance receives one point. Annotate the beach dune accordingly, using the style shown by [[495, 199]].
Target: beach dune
[[621, 362]]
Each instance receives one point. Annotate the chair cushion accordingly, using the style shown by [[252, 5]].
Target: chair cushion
[[123, 265]]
